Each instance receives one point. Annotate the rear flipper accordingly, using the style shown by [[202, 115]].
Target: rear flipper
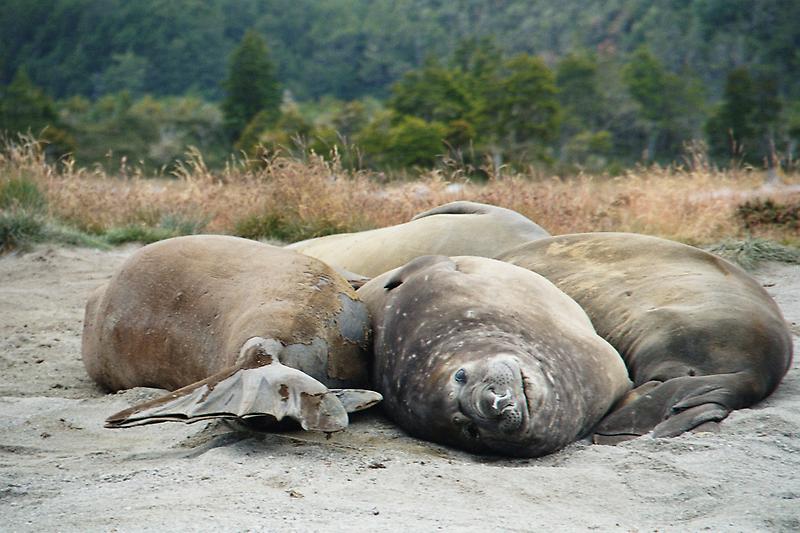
[[674, 406], [264, 394]]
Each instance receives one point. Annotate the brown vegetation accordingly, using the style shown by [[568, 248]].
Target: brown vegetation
[[291, 199]]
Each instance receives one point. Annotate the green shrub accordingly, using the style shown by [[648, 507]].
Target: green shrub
[[279, 227], [171, 225], [136, 233], [21, 193], [19, 229], [182, 225], [60, 234], [761, 212]]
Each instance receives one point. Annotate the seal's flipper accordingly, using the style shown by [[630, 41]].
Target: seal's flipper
[[672, 407], [269, 392], [459, 207], [357, 399], [356, 281]]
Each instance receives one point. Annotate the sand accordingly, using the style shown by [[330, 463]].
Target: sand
[[60, 470]]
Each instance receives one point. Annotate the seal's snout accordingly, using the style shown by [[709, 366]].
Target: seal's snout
[[494, 400], [503, 406], [500, 397]]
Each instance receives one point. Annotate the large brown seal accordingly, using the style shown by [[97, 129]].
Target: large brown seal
[[457, 228], [241, 329], [488, 357], [700, 337]]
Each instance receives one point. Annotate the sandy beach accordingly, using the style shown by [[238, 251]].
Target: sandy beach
[[60, 470]]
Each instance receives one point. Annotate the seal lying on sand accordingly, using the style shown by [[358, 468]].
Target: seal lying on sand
[[241, 329], [457, 228], [699, 336], [488, 357]]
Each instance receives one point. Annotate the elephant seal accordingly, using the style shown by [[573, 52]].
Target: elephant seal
[[488, 357], [241, 329], [457, 228], [699, 336]]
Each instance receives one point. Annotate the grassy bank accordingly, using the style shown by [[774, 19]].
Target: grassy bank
[[291, 199]]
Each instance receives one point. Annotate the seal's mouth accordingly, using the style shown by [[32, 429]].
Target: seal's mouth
[[525, 392]]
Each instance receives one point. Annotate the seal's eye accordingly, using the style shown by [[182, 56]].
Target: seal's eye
[[461, 376]]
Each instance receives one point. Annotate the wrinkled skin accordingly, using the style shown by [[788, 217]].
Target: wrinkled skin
[[457, 228], [699, 336], [487, 357], [180, 314]]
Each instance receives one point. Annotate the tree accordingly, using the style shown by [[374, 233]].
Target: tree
[[24, 108], [744, 124], [436, 94], [127, 72], [584, 109], [431, 93], [251, 86], [522, 110], [579, 92], [402, 141], [667, 103]]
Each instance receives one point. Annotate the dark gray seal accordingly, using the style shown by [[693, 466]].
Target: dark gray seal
[[700, 337], [457, 228], [488, 357], [238, 329]]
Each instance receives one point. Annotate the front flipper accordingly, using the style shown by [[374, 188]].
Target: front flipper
[[357, 399], [673, 407], [269, 392]]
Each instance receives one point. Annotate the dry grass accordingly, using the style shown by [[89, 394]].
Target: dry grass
[[295, 199]]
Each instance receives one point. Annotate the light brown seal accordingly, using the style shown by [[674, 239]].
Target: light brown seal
[[700, 337], [488, 357], [457, 228], [241, 329]]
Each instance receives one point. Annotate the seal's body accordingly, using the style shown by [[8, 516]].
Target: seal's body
[[192, 312], [457, 228], [488, 357], [699, 336]]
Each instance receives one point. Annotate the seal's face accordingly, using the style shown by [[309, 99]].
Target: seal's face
[[490, 399]]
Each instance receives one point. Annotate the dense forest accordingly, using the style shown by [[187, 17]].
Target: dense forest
[[569, 84]]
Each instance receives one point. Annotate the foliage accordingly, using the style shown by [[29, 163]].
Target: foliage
[[743, 126], [295, 199], [150, 133], [277, 226], [636, 80], [401, 141], [432, 93], [749, 253], [766, 212], [664, 99], [251, 87], [21, 194], [25, 108], [19, 229], [511, 104]]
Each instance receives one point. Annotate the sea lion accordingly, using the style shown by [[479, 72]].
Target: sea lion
[[700, 337], [488, 357], [241, 329], [457, 228]]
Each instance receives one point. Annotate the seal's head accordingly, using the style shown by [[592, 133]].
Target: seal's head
[[487, 357], [489, 400], [493, 398]]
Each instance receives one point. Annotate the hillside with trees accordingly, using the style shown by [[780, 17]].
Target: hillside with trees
[[570, 85]]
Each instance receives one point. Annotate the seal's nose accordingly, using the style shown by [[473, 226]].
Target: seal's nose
[[494, 400]]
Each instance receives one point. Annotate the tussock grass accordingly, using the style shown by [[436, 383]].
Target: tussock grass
[[18, 230], [749, 253], [290, 199]]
